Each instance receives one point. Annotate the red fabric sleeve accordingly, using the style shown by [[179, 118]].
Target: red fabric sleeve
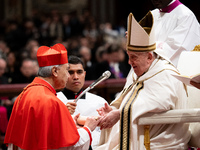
[[88, 131]]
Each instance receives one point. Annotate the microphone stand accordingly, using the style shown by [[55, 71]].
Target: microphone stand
[[82, 93]]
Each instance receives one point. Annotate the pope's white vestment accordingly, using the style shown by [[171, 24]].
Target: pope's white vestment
[[87, 107], [155, 91]]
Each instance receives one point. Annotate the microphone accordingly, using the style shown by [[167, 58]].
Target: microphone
[[104, 76]]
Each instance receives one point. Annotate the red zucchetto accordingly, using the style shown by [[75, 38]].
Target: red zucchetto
[[49, 56]]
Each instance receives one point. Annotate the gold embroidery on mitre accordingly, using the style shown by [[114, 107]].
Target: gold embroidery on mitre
[[141, 48]]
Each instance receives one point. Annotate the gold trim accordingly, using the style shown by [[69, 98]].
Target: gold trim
[[141, 48], [158, 73], [129, 29], [31, 84], [126, 117], [197, 48], [118, 102], [147, 137]]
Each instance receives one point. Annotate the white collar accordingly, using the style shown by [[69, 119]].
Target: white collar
[[171, 2]]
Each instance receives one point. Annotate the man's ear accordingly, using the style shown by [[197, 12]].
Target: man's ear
[[85, 73], [150, 56], [54, 71]]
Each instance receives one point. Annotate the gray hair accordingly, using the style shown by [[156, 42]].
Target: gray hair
[[46, 71], [152, 52]]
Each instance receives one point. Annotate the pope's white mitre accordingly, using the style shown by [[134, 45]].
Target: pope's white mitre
[[141, 36]]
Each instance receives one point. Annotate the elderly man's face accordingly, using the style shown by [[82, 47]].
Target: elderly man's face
[[140, 61], [62, 76]]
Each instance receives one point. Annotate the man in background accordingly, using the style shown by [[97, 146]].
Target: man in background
[[88, 103], [26, 74], [177, 28]]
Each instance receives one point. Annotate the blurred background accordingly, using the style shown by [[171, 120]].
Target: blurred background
[[91, 29], [94, 30]]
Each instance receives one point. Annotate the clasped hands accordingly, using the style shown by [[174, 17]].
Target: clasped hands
[[109, 117], [106, 119]]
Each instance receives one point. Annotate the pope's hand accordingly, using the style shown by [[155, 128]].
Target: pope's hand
[[104, 110], [109, 119]]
